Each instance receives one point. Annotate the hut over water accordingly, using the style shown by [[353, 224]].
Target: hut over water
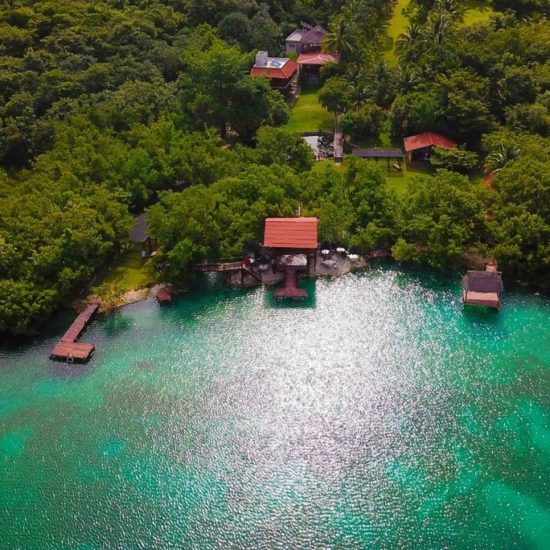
[[483, 288], [292, 245]]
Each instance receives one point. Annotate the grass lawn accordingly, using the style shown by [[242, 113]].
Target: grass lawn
[[321, 165], [399, 184], [477, 12], [308, 115], [393, 181], [129, 271], [397, 25]]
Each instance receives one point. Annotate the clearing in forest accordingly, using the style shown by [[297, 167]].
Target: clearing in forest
[[477, 11], [397, 25], [308, 115]]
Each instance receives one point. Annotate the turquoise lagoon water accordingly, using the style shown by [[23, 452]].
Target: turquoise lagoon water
[[380, 414]]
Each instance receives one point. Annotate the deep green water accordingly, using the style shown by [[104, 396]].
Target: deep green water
[[378, 415]]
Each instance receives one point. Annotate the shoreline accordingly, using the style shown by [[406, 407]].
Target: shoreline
[[269, 279]]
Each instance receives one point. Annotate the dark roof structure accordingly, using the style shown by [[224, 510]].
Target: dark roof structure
[[314, 37], [293, 233], [427, 139], [483, 281], [140, 233], [376, 153]]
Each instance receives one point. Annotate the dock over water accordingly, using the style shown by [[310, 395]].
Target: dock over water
[[68, 349]]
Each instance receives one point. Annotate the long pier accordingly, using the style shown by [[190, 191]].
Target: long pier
[[68, 349]]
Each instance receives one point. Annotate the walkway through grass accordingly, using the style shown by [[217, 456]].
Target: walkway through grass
[[308, 115], [476, 11], [128, 272], [397, 25]]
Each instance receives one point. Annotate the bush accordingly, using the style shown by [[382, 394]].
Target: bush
[[364, 122], [457, 159]]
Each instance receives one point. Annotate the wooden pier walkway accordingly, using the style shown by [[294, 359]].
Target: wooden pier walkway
[[378, 254], [216, 267], [239, 265], [68, 349], [338, 142]]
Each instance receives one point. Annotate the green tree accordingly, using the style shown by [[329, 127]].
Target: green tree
[[457, 159], [279, 146]]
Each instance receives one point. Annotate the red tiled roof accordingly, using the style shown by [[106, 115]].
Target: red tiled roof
[[290, 233], [316, 58], [284, 72], [427, 139]]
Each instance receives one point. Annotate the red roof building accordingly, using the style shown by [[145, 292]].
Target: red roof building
[[291, 233], [426, 141], [279, 70], [316, 58]]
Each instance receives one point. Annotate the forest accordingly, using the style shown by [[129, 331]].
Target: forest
[[106, 105]]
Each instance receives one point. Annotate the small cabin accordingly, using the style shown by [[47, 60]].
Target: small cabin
[[483, 288], [140, 235], [281, 71], [420, 146]]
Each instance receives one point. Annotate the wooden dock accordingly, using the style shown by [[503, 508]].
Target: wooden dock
[[68, 349]]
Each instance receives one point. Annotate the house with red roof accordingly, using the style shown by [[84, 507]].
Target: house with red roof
[[310, 65], [281, 71], [420, 146]]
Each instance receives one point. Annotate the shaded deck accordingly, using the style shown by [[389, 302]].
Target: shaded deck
[[67, 348], [291, 289], [487, 299]]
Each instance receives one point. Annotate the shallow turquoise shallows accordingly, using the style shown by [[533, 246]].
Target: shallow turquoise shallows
[[379, 414]]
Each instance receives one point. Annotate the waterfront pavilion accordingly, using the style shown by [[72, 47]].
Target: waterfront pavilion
[[291, 243], [483, 288]]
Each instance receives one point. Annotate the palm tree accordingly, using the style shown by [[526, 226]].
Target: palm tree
[[502, 154], [342, 38], [406, 79], [409, 40], [451, 7], [439, 25]]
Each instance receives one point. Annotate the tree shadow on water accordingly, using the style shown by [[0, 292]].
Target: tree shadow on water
[[482, 316], [115, 323]]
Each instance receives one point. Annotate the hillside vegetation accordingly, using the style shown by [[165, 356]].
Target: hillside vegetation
[[105, 105]]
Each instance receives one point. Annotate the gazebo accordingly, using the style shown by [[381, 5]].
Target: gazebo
[[389, 155], [483, 288], [292, 244], [420, 146]]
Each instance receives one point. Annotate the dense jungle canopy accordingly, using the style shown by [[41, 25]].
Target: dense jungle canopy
[[106, 105]]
